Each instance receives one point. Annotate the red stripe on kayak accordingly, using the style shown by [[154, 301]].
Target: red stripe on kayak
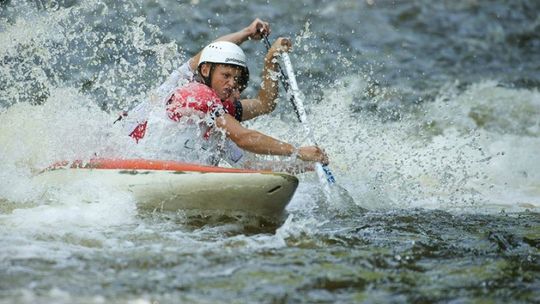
[[146, 164]]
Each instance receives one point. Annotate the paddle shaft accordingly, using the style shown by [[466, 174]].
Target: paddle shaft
[[291, 87]]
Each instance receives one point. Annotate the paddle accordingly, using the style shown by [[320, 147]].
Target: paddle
[[291, 87]]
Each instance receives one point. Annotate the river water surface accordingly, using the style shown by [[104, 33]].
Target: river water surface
[[430, 111]]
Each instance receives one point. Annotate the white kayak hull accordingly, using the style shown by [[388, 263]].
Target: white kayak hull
[[258, 193]]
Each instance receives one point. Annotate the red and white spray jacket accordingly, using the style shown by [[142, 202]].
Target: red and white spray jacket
[[178, 122]]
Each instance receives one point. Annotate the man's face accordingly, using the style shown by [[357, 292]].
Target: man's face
[[224, 79]]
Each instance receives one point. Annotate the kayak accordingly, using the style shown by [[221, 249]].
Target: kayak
[[172, 186]]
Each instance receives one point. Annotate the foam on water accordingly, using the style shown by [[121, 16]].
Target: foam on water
[[467, 148], [446, 155], [66, 126], [470, 151]]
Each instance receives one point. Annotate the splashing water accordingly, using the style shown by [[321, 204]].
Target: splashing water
[[437, 149]]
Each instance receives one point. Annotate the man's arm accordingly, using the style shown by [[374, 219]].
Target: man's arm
[[266, 99], [253, 31], [256, 142]]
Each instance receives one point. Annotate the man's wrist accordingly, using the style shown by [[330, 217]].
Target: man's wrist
[[246, 34], [295, 152]]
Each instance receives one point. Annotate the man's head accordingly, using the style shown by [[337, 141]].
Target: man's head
[[222, 66]]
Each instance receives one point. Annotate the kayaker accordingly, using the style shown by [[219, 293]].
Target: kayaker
[[203, 108]]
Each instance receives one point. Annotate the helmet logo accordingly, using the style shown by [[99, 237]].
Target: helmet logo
[[240, 62]]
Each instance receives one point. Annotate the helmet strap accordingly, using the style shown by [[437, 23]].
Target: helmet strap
[[207, 80], [212, 68]]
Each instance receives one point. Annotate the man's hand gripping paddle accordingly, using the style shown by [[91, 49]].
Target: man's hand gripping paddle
[[291, 87], [338, 197]]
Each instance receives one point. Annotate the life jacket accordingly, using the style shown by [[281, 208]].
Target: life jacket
[[192, 97], [185, 130], [195, 99]]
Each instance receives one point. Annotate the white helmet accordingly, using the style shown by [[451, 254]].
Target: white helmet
[[225, 52]]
